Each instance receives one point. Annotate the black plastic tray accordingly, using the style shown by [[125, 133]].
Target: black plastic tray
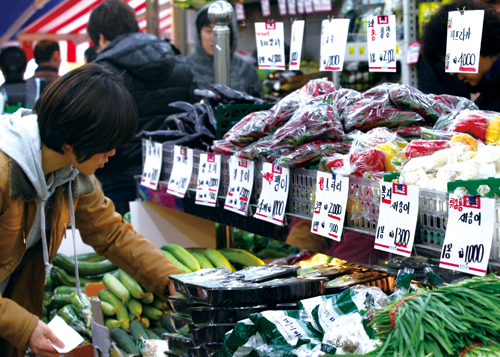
[[229, 293], [180, 304], [262, 273], [214, 315], [210, 333], [180, 280], [178, 344], [292, 289], [181, 324], [208, 349]]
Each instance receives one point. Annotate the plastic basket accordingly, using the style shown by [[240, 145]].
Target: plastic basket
[[230, 114]]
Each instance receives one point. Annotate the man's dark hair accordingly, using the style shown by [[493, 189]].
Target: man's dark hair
[[13, 64], [44, 50], [88, 108], [435, 33], [90, 54], [202, 21], [111, 19]]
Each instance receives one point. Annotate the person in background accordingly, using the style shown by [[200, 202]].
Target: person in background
[[48, 59], [243, 76], [13, 63], [487, 80], [153, 74], [90, 54], [432, 79]]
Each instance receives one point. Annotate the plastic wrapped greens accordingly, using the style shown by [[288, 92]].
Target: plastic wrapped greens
[[406, 97], [224, 147], [310, 153], [249, 129]]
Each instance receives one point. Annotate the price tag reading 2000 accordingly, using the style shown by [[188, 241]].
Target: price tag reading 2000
[[181, 171], [330, 204], [273, 197], [381, 39], [208, 180], [469, 234], [241, 174], [397, 218], [270, 37]]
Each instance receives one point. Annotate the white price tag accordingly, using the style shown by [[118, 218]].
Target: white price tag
[[274, 195], [270, 45], [318, 6], [381, 38], [330, 205], [265, 7], [333, 43], [181, 171], [241, 174], [240, 11], [413, 53], [469, 234], [292, 8], [300, 6], [326, 5], [152, 164], [296, 45], [282, 7], [309, 6], [208, 180], [397, 219], [463, 44]]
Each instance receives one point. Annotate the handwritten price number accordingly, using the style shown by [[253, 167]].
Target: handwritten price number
[[401, 237], [465, 59], [334, 228], [387, 56], [470, 218], [380, 232], [473, 253], [278, 208], [295, 56], [332, 61], [401, 207], [447, 251], [335, 209]]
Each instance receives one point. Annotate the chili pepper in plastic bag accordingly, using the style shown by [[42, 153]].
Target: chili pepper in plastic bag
[[410, 131], [445, 103], [223, 147], [356, 163], [407, 97], [249, 129], [256, 150], [365, 115], [311, 152]]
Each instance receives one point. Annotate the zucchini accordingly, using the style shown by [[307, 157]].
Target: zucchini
[[121, 310], [107, 309], [81, 303], [197, 250], [144, 322], [90, 257], [240, 256], [176, 263], [166, 322], [84, 268], [183, 256], [148, 299], [134, 307], [204, 262], [152, 313], [59, 300], [152, 335], [160, 331], [49, 283], [112, 324], [69, 280], [137, 332], [116, 287], [70, 316], [218, 260], [65, 289], [133, 317], [124, 341], [133, 286], [159, 304]]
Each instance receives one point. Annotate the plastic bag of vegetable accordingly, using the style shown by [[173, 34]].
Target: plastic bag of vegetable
[[482, 125], [224, 147], [249, 129], [311, 153]]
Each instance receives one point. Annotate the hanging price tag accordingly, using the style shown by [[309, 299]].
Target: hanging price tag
[[326, 5], [463, 44], [309, 6], [397, 220], [292, 10], [181, 171], [317, 4], [265, 7], [152, 165], [270, 45], [240, 11], [241, 174], [330, 205], [282, 7], [469, 234], [381, 43], [300, 6], [208, 180], [296, 45], [273, 197], [333, 43]]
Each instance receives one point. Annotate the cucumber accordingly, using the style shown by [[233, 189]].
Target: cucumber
[[134, 307], [90, 257], [183, 256], [112, 324], [152, 335], [145, 322], [218, 260], [204, 262], [197, 250], [84, 268], [133, 317], [148, 299], [65, 289], [69, 315], [166, 322], [159, 304], [121, 310], [59, 300], [137, 331], [241, 257], [152, 313], [69, 280], [124, 341], [107, 309], [175, 262], [116, 287], [49, 283], [133, 286], [160, 331], [53, 313]]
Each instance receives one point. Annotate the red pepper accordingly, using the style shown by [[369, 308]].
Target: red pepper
[[425, 147], [368, 161], [473, 124]]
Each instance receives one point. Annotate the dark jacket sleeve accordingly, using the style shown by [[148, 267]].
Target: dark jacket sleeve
[[254, 83]]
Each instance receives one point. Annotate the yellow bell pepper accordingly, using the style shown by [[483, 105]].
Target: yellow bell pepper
[[493, 131], [389, 150], [465, 139]]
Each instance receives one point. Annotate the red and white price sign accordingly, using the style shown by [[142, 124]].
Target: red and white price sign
[[469, 234], [292, 7], [397, 220], [463, 44], [270, 38], [381, 38], [152, 164], [326, 5], [309, 6], [318, 5], [240, 11], [181, 171], [208, 180], [282, 7], [330, 205], [241, 174], [296, 44], [333, 43], [300, 6], [265, 7], [274, 195]]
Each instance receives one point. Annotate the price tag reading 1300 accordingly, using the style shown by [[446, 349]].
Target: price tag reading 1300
[[241, 174], [181, 171], [273, 197], [469, 234], [208, 180], [397, 218]]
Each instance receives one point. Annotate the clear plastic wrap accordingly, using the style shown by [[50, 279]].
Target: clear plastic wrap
[[260, 150], [355, 163], [249, 129], [478, 123], [310, 153], [406, 97], [224, 147], [418, 148], [445, 103]]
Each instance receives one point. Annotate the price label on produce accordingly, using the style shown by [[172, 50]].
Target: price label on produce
[[265, 7], [274, 195], [469, 234], [333, 42], [330, 205], [241, 173], [463, 44], [381, 43], [292, 7], [397, 220], [282, 7], [300, 6], [181, 171], [208, 180], [240, 11], [270, 45], [152, 164], [296, 44]]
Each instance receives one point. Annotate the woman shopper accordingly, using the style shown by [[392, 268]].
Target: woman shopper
[[47, 162]]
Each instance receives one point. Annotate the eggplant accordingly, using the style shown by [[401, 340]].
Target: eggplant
[[161, 135], [183, 106], [208, 94], [200, 108], [212, 116], [201, 126]]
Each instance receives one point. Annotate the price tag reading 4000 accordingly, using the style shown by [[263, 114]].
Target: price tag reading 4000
[[330, 204], [469, 234], [397, 218], [181, 171], [270, 39], [273, 197], [381, 38], [208, 180], [152, 164], [241, 174]]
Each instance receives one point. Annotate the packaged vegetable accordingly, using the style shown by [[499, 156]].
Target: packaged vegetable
[[224, 147], [355, 163], [241, 340], [473, 122], [312, 152], [445, 103], [465, 139], [249, 129], [406, 97], [418, 148], [344, 98], [493, 130], [403, 282]]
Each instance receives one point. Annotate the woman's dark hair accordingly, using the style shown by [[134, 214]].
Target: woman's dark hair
[[13, 64], [202, 21], [88, 108], [111, 19], [435, 33]]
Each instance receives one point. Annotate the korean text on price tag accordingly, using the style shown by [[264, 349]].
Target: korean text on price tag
[[282, 7], [296, 45], [326, 5], [330, 205], [381, 38], [270, 45], [181, 171], [469, 234], [273, 197], [152, 164], [318, 5], [333, 42], [397, 220], [292, 7], [300, 6], [208, 180], [241, 174], [309, 6], [240, 11], [463, 44], [265, 7]]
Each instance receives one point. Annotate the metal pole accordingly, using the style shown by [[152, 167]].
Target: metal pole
[[221, 14], [152, 13]]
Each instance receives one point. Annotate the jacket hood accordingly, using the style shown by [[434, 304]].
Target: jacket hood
[[144, 56]]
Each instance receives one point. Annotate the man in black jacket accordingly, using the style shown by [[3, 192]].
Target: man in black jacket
[[152, 73]]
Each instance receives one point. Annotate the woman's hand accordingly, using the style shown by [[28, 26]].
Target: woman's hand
[[39, 341]]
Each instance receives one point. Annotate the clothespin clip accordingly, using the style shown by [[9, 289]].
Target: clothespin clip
[[330, 18], [293, 20], [462, 12], [243, 24], [270, 21], [378, 11]]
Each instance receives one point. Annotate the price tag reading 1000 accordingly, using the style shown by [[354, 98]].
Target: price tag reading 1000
[[208, 180], [273, 197]]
